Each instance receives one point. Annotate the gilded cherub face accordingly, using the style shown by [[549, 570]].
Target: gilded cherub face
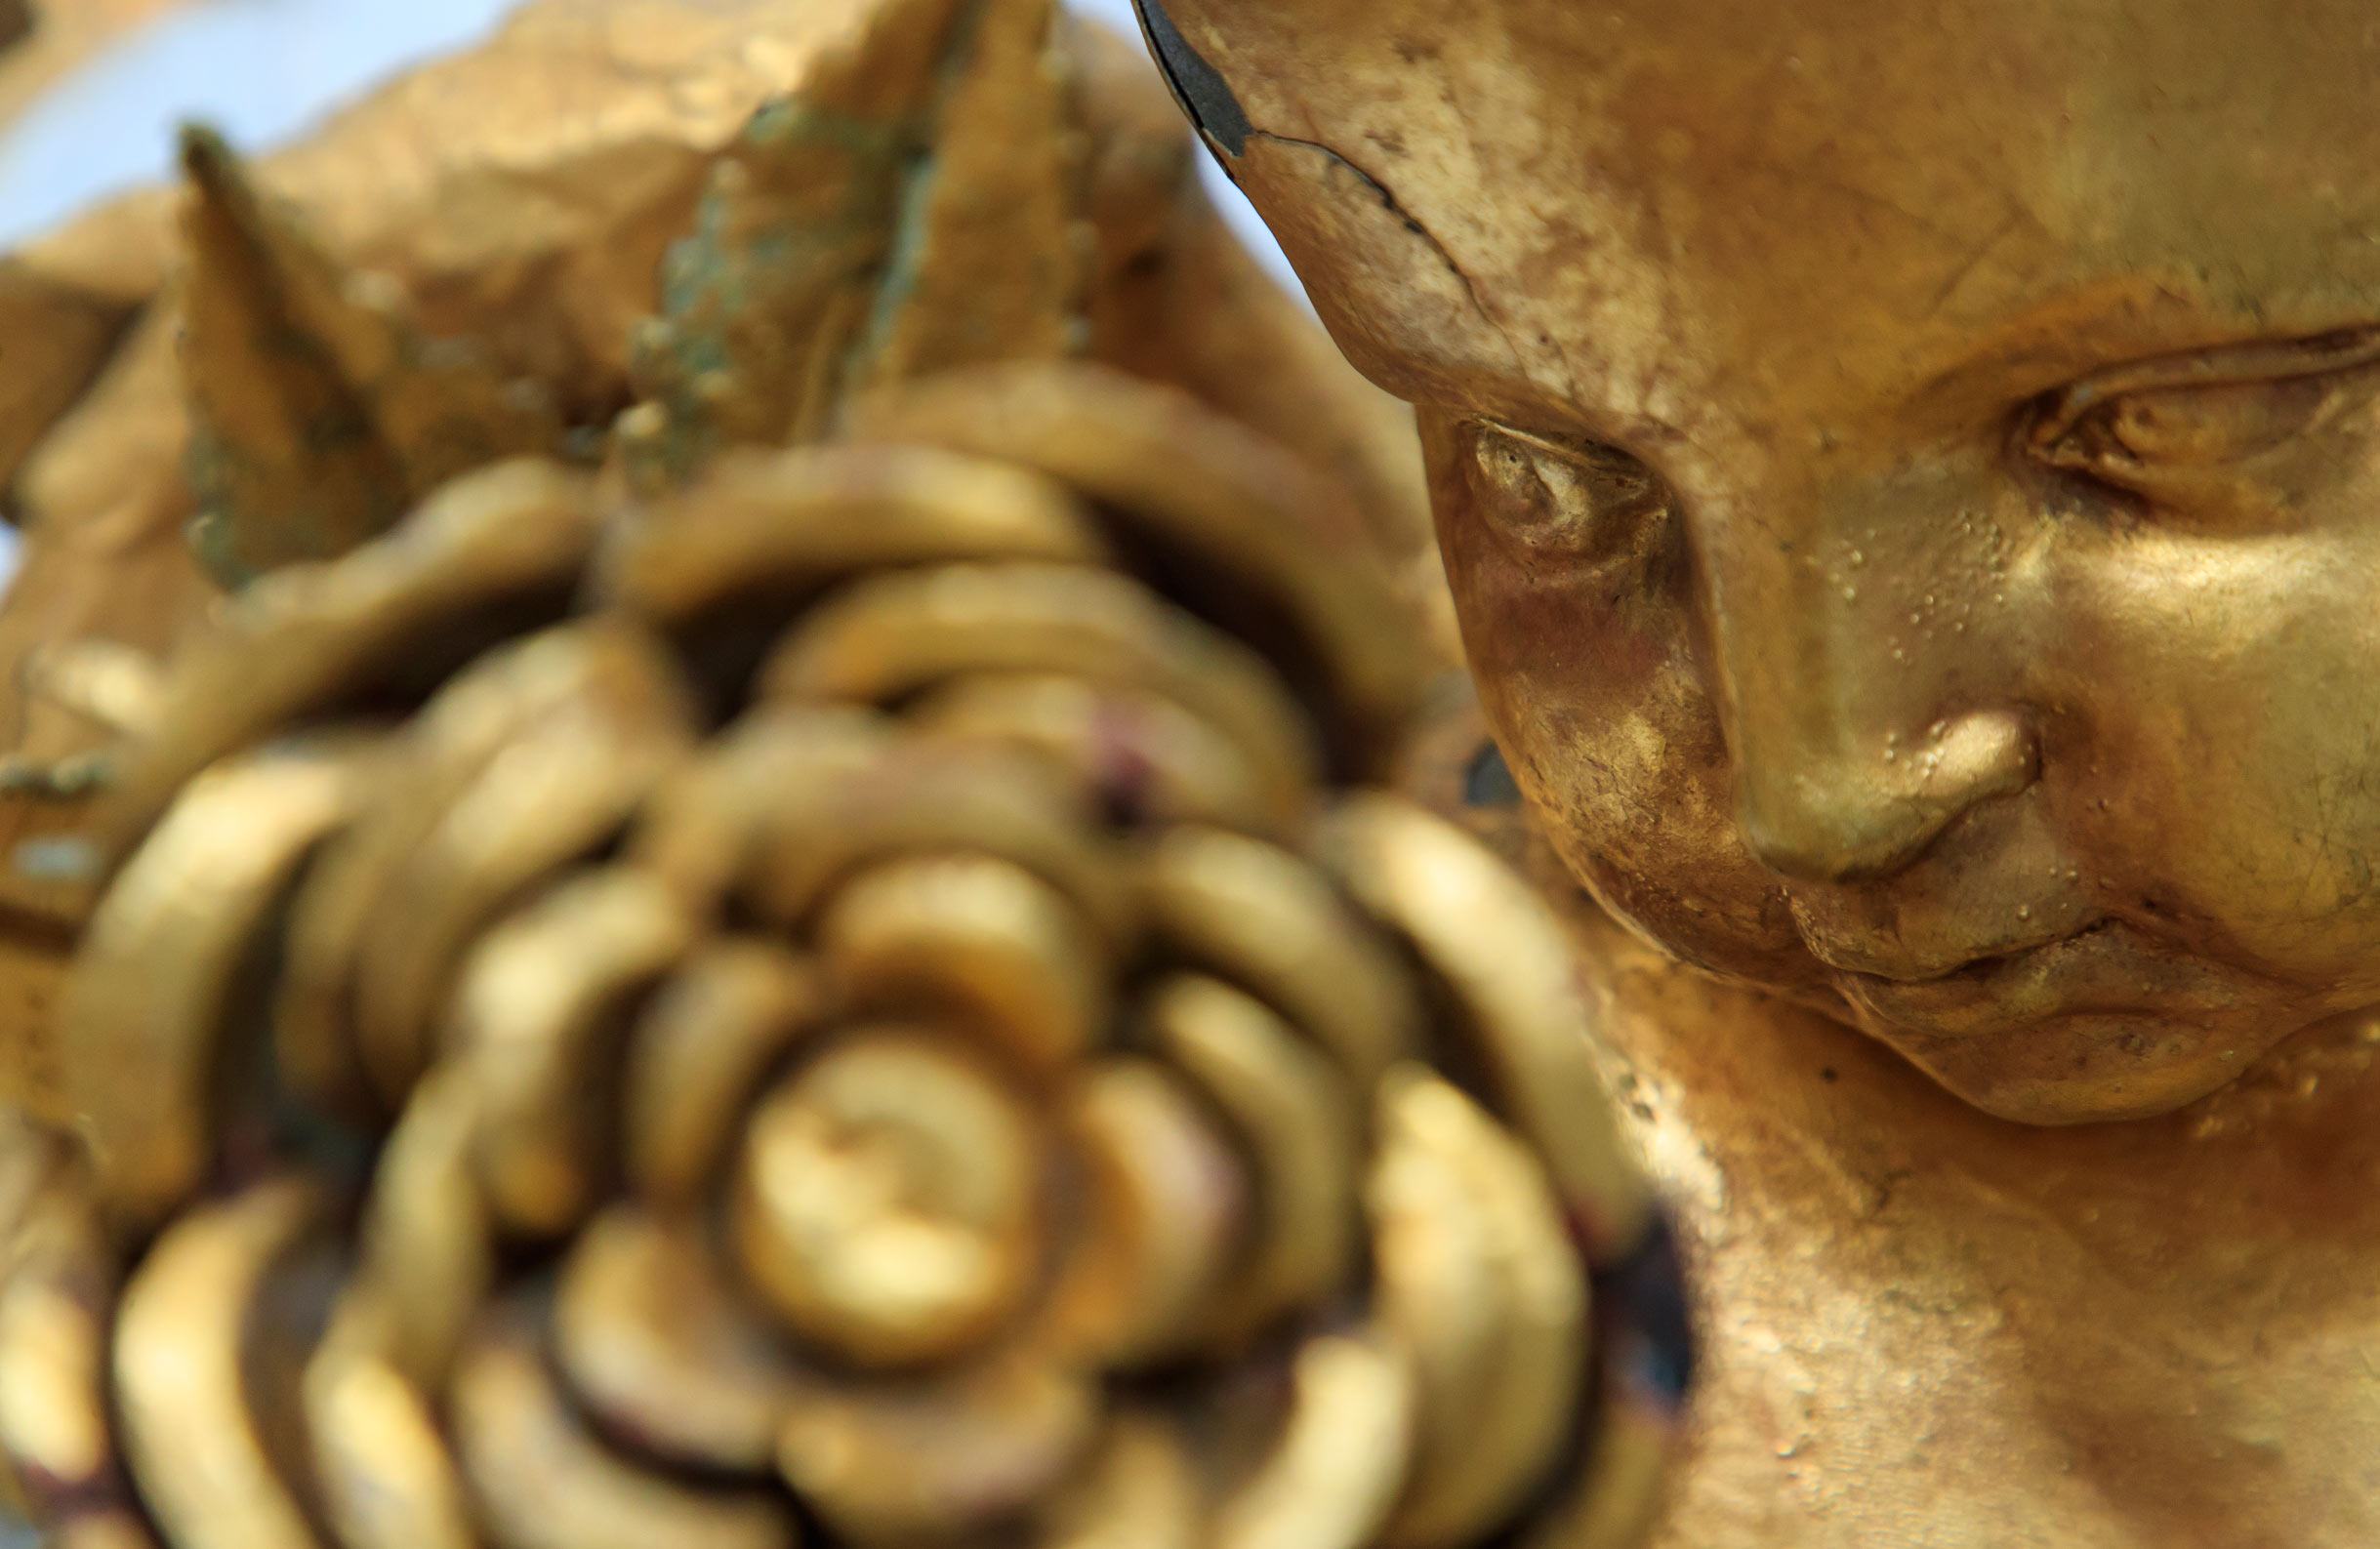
[[1910, 476]]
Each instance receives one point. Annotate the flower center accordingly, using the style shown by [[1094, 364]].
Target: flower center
[[887, 1199]]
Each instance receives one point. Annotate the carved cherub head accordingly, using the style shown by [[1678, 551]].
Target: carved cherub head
[[1910, 476]]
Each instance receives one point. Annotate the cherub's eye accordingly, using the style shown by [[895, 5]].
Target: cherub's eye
[[2178, 425], [2188, 426], [1575, 500]]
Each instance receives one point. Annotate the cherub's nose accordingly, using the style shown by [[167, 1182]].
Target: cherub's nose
[[1867, 669], [1816, 810]]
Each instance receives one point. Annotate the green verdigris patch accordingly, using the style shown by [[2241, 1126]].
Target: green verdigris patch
[[320, 413], [911, 209]]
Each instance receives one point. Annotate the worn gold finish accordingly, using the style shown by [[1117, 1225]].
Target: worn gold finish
[[1903, 475], [65, 1465], [1116, 738], [1487, 1299], [824, 959], [307, 643], [1332, 1476], [656, 1338], [530, 1007], [196, 1448], [998, 801], [981, 940], [606, 121], [775, 530], [1138, 1492], [382, 1470], [698, 1049], [425, 1245], [905, 632], [611, 113], [1476, 925], [1257, 913], [157, 984], [101, 680], [1952, 624], [1168, 1202], [1206, 489], [862, 1132], [923, 1170], [543, 1478], [704, 827], [885, 1200], [320, 412], [1289, 1105]]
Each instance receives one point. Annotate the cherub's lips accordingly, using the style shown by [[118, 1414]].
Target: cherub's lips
[[1997, 963], [1918, 928], [2105, 968], [1904, 966], [1948, 948]]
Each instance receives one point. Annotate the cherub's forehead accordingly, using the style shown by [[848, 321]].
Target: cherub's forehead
[[1722, 199]]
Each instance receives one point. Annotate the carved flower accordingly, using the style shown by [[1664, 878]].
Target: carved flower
[[855, 994], [990, 1160], [998, 1087]]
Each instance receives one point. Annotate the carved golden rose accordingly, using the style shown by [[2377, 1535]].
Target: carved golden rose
[[885, 1025], [646, 987]]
